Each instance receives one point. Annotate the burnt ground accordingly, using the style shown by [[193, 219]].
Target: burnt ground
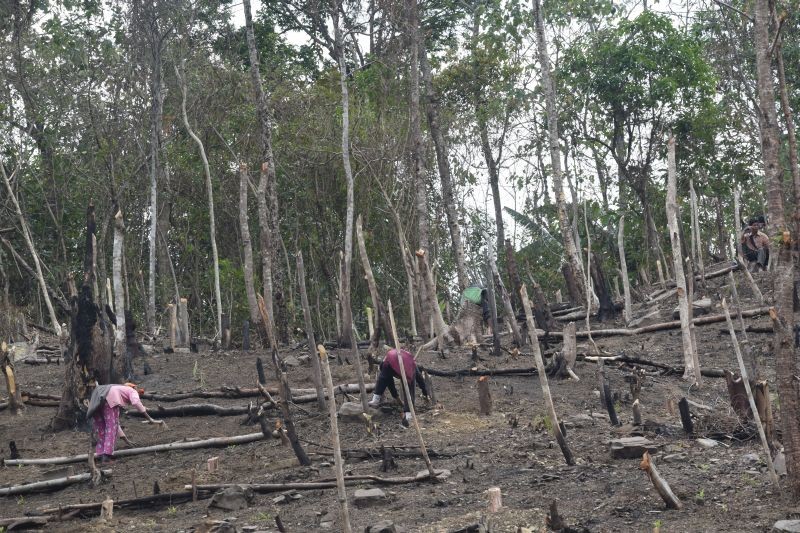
[[724, 488]]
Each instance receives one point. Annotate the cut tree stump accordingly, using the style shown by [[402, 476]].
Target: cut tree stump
[[212, 464], [484, 396], [495, 498]]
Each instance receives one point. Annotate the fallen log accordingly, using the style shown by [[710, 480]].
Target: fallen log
[[19, 523], [216, 442], [238, 392], [48, 485], [674, 324], [481, 372], [707, 372], [194, 409]]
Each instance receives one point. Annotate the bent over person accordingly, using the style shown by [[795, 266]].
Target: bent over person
[[104, 407], [390, 369]]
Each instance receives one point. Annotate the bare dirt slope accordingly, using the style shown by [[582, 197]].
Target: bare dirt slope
[[724, 488]]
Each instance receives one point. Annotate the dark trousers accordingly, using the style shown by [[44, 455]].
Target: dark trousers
[[386, 381], [760, 256]]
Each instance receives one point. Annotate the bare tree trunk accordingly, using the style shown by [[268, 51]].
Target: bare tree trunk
[[690, 358], [435, 313], [382, 322], [552, 126], [347, 311], [623, 270], [418, 161], [737, 225], [210, 190], [267, 178], [156, 119], [316, 374], [498, 282], [26, 234], [120, 336], [698, 242], [783, 314], [247, 246], [443, 164]]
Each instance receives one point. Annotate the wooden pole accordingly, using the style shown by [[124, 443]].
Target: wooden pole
[[660, 269], [409, 398], [495, 280], [736, 301], [316, 370], [337, 449], [696, 231], [537, 354], [183, 322], [737, 225], [623, 264], [173, 326], [690, 357], [773, 476]]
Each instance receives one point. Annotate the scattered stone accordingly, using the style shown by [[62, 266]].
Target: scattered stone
[[579, 421], [384, 526], [291, 361], [232, 498], [787, 526], [751, 458], [673, 457], [707, 443], [441, 473], [631, 447], [351, 410], [363, 497], [304, 360]]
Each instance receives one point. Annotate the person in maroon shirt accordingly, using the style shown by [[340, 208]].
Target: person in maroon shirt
[[389, 370]]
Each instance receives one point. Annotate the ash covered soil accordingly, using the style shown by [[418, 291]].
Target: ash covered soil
[[723, 488]]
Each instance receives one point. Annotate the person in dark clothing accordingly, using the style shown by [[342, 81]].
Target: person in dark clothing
[[389, 370], [755, 244]]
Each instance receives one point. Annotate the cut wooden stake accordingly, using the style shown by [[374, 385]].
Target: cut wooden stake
[[559, 298], [773, 476], [403, 379], [661, 485], [107, 509], [212, 464], [495, 498], [337, 449], [173, 326], [14, 390], [537, 354], [484, 396]]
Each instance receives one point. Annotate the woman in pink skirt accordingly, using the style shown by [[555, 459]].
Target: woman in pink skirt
[[104, 407]]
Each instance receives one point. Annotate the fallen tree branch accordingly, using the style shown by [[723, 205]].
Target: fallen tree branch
[[179, 445], [481, 372], [674, 324], [707, 372], [660, 484], [48, 485]]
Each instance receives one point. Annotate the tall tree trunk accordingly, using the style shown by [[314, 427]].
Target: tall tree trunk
[[267, 209], [443, 164], [316, 374], [347, 310], [783, 315], [26, 234], [212, 228], [417, 156], [247, 246], [552, 127], [120, 333], [692, 368], [156, 117], [382, 318]]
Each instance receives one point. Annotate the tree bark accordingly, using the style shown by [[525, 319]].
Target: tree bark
[[382, 322], [247, 247], [266, 183], [498, 282], [212, 228], [690, 358], [623, 269], [443, 164], [347, 311], [552, 126], [120, 332]]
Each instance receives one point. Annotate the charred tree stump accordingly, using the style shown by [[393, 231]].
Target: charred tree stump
[[429, 385], [286, 414], [484, 396], [607, 309], [541, 310], [686, 416], [90, 356], [610, 407]]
